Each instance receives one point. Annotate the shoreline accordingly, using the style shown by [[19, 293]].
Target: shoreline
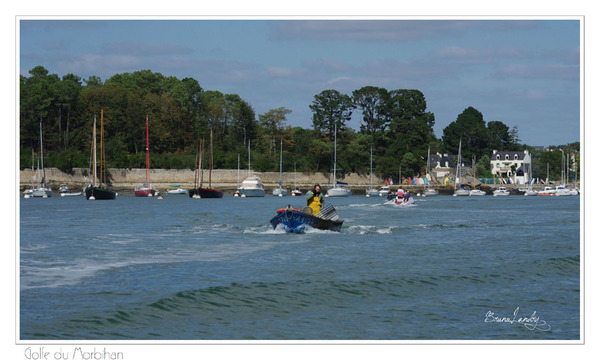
[[226, 180]]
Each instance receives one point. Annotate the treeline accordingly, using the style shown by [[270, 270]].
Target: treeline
[[394, 123]]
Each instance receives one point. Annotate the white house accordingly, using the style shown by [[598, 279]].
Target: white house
[[515, 165]]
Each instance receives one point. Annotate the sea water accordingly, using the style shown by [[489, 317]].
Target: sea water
[[444, 268]]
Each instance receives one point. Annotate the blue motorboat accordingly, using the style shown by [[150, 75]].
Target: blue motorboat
[[296, 221]]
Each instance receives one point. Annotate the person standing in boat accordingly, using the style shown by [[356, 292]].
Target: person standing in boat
[[400, 195], [314, 199]]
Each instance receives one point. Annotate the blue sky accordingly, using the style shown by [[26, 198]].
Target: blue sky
[[523, 72]]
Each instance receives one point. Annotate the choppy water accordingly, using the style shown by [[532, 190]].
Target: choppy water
[[187, 269]]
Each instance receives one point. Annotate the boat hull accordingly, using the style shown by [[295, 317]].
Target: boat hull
[[251, 192], [145, 192], [430, 192], [393, 199], [280, 192], [100, 194], [177, 192], [296, 222], [70, 194], [205, 193], [461, 192], [42, 193], [338, 192], [371, 192]]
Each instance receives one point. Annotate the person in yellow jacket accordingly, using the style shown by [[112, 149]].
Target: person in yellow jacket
[[314, 199]]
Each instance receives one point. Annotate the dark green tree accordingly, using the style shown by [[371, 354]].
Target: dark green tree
[[331, 110], [469, 126]]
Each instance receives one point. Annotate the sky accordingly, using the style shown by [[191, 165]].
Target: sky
[[525, 71]]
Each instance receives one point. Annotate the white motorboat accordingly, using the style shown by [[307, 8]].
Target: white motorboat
[[562, 190], [251, 187], [64, 194], [501, 191], [430, 192], [384, 191], [296, 192], [476, 192], [548, 191], [178, 191]]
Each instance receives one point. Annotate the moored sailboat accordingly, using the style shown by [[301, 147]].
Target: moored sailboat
[[280, 191], [295, 192], [145, 189], [460, 191], [429, 191], [96, 191], [206, 192], [370, 191], [339, 188], [42, 190]]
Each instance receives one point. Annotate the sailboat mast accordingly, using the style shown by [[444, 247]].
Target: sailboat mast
[[280, 163], [94, 144], [334, 154], [147, 154], [458, 163], [238, 180], [101, 149], [210, 160], [42, 153], [200, 169], [371, 168], [248, 157]]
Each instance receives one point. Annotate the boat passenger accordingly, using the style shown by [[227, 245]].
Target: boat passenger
[[314, 199], [407, 196]]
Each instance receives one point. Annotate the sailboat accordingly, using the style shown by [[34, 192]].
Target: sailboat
[[296, 192], [209, 192], [371, 192], [145, 189], [280, 191], [429, 191], [93, 191], [460, 191], [251, 186], [339, 188], [42, 191]]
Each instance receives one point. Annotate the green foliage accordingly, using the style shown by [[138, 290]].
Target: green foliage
[[395, 123]]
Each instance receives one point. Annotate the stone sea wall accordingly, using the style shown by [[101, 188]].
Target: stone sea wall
[[221, 179]]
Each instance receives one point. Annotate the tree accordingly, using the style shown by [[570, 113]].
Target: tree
[[331, 110], [371, 101], [273, 123], [499, 136], [469, 126]]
